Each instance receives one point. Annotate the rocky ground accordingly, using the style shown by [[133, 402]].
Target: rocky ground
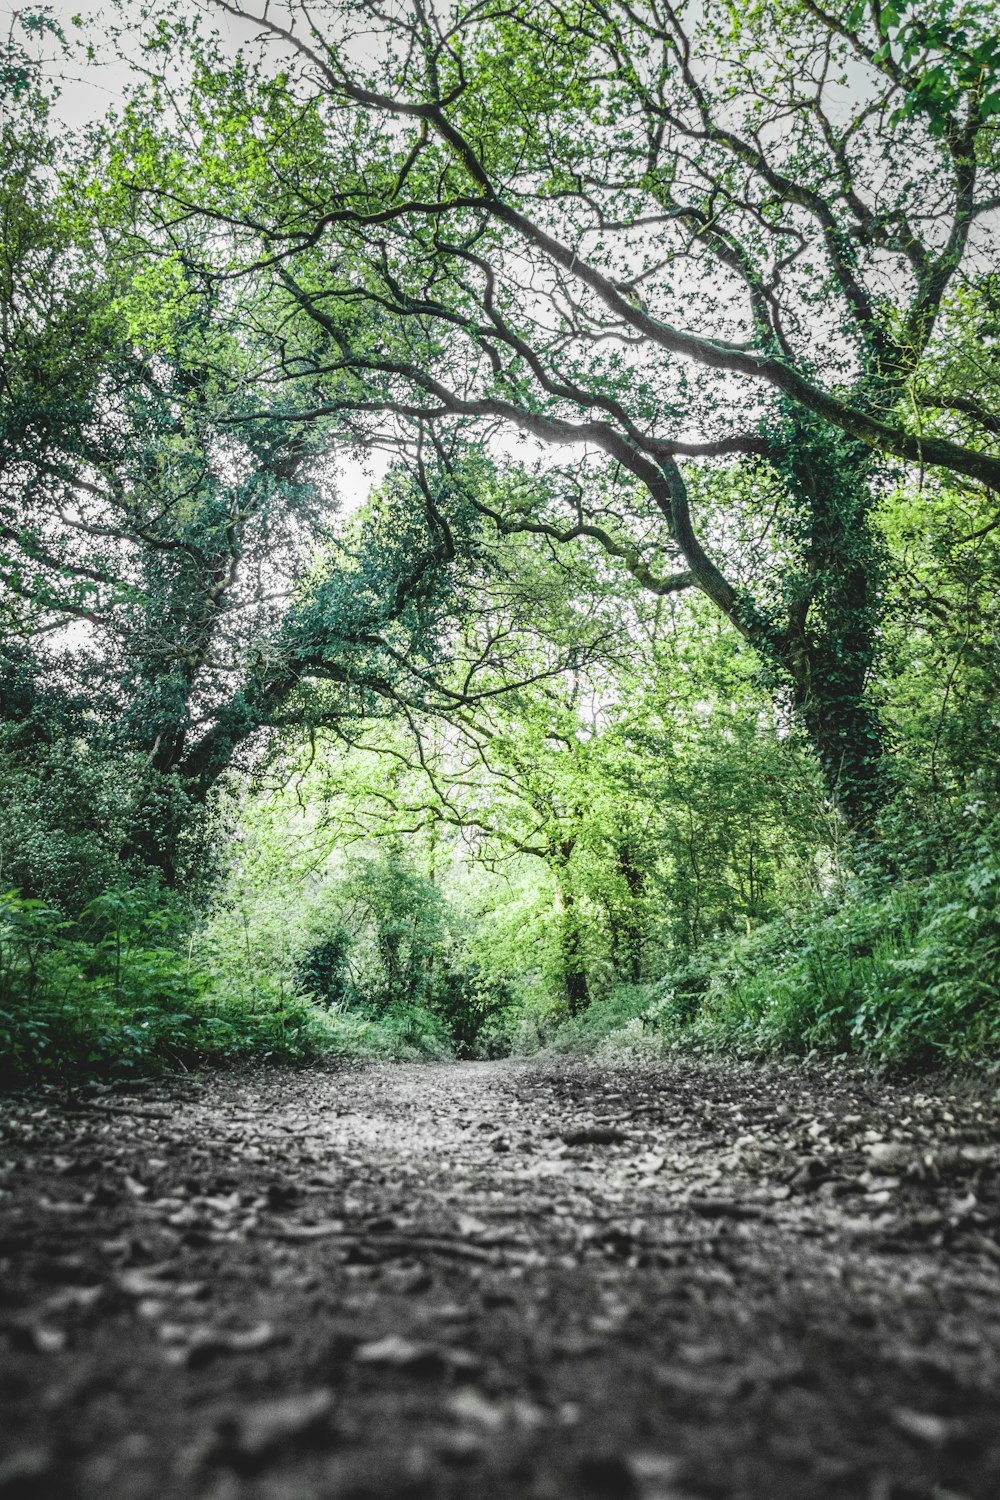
[[503, 1280]]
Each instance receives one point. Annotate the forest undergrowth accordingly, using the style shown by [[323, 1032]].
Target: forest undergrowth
[[902, 973], [899, 971]]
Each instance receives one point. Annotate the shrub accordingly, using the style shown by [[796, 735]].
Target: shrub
[[324, 972], [904, 974], [110, 994]]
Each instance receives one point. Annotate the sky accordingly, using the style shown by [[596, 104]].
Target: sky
[[88, 89]]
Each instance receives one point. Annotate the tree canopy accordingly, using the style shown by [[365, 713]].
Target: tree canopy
[[674, 332], [699, 252]]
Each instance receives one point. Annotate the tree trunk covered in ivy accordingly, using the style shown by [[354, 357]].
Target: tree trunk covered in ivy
[[629, 928], [834, 598]]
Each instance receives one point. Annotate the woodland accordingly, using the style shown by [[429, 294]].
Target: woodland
[[499, 728], [641, 700]]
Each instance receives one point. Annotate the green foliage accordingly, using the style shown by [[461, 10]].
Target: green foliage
[[20, 72], [411, 1031], [608, 749], [905, 975], [72, 797], [114, 994], [956, 50], [396, 958], [943, 637], [323, 971], [601, 1023], [366, 936]]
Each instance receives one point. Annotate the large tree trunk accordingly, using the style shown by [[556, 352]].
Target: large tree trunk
[[574, 971], [823, 634], [831, 642]]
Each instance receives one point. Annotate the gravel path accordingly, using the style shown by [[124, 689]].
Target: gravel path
[[503, 1279]]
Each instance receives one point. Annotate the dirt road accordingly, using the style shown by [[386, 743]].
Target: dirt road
[[503, 1280]]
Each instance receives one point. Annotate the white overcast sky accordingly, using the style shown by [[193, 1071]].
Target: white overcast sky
[[88, 89]]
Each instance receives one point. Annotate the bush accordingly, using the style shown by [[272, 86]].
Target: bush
[[385, 943], [908, 974], [109, 994], [324, 971], [412, 1031], [554, 1030]]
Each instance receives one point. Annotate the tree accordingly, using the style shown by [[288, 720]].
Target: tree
[[166, 536], [168, 539], [492, 754], [642, 800], [146, 539], [680, 237], [943, 636]]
